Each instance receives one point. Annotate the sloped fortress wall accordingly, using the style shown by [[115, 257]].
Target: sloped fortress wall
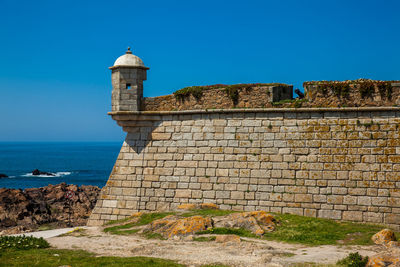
[[328, 163]]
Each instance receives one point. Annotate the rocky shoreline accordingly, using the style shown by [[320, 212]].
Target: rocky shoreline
[[52, 206]]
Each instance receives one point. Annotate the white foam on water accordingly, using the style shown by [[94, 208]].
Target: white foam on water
[[56, 174]]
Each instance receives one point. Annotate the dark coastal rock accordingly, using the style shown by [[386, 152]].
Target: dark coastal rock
[[24, 210], [2, 175], [37, 172]]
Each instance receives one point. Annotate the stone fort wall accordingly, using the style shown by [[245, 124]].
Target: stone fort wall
[[333, 163]]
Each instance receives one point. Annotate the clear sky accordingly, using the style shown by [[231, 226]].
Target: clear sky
[[54, 77]]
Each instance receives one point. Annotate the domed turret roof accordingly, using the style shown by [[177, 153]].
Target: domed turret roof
[[128, 60]]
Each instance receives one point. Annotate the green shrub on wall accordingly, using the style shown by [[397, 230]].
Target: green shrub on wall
[[367, 89], [385, 89], [339, 89]]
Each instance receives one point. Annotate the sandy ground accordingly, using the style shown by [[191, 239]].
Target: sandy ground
[[249, 252]]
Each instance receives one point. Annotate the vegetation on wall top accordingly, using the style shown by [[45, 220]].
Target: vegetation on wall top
[[366, 87], [231, 90]]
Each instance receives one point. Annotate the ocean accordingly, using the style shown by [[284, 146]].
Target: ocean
[[80, 163]]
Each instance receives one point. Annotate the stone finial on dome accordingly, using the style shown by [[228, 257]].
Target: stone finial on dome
[[128, 60]]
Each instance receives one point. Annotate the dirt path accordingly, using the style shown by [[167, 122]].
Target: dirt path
[[249, 252]]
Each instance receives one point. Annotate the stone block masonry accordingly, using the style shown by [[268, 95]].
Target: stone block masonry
[[337, 163]]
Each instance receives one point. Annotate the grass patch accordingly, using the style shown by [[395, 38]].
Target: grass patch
[[46, 227], [124, 229], [208, 212], [286, 254], [76, 258], [151, 235], [144, 219], [285, 101], [118, 221], [295, 103], [316, 231], [310, 231], [118, 228], [147, 218], [228, 231]]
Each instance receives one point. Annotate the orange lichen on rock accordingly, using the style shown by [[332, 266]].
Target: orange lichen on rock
[[384, 259], [391, 257], [383, 237], [393, 244], [267, 221], [258, 222], [171, 225]]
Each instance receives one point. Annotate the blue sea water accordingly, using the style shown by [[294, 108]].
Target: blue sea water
[[80, 163]]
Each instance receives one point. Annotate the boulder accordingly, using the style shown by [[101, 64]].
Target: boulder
[[2, 175], [393, 245], [390, 257], [171, 226], [384, 259], [29, 208], [258, 222], [383, 237]]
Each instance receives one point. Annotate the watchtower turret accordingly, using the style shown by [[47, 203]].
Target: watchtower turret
[[128, 74]]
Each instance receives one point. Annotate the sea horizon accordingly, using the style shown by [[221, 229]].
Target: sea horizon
[[72, 162]]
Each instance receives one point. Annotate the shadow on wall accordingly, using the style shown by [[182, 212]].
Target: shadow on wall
[[139, 137], [140, 133]]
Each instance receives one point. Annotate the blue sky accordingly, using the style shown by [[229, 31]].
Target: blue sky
[[54, 55]]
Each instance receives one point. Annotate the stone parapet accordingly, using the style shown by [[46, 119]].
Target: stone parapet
[[220, 97]]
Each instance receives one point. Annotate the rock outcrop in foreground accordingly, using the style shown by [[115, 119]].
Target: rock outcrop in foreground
[[25, 210], [390, 257], [257, 222]]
